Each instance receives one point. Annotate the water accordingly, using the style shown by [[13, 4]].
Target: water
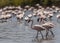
[[14, 32]]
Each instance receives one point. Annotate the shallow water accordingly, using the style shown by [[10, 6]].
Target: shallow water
[[14, 32]]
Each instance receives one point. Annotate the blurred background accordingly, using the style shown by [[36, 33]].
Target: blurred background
[[29, 2]]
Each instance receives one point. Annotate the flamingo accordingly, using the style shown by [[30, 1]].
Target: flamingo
[[48, 27], [53, 7], [10, 8], [25, 10], [34, 14], [47, 8], [19, 7], [42, 18], [37, 5], [27, 20], [57, 9], [20, 16], [27, 7], [50, 15], [1, 10], [31, 8], [38, 28]]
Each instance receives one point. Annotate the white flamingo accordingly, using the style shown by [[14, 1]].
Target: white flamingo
[[27, 7], [50, 15], [48, 27], [20, 17]]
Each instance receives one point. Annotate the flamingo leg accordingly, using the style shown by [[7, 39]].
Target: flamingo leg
[[47, 31], [52, 33], [41, 35], [37, 34]]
